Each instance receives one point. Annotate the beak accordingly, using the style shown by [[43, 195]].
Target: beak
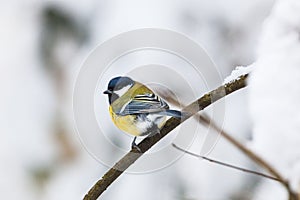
[[107, 92]]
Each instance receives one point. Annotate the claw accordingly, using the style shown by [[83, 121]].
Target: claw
[[135, 146]]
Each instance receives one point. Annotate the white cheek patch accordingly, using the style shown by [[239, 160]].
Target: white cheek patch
[[122, 91]]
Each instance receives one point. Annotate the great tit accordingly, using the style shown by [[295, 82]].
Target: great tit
[[136, 109]]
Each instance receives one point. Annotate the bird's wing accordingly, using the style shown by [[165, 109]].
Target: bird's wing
[[145, 103]]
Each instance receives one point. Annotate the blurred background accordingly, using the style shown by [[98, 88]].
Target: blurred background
[[43, 44]]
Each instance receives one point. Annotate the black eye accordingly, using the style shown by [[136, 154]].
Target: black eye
[[110, 88]]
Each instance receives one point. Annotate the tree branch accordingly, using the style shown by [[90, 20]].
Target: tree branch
[[113, 173]]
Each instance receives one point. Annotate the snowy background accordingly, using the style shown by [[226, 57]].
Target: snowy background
[[43, 44]]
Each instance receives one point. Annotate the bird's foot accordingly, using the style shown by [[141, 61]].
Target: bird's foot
[[135, 146]]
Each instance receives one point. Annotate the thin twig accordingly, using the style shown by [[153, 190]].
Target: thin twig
[[113, 173], [255, 157], [226, 164]]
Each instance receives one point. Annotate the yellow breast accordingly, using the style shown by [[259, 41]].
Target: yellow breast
[[125, 123]]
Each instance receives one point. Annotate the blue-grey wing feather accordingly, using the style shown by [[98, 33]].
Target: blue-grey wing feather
[[146, 103]]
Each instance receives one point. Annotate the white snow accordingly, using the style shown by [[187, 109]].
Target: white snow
[[238, 71], [275, 92]]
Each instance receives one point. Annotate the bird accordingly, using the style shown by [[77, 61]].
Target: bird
[[136, 109]]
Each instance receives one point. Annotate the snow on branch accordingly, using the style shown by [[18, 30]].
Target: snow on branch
[[238, 71]]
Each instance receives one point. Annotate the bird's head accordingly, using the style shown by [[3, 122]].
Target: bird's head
[[117, 87]]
